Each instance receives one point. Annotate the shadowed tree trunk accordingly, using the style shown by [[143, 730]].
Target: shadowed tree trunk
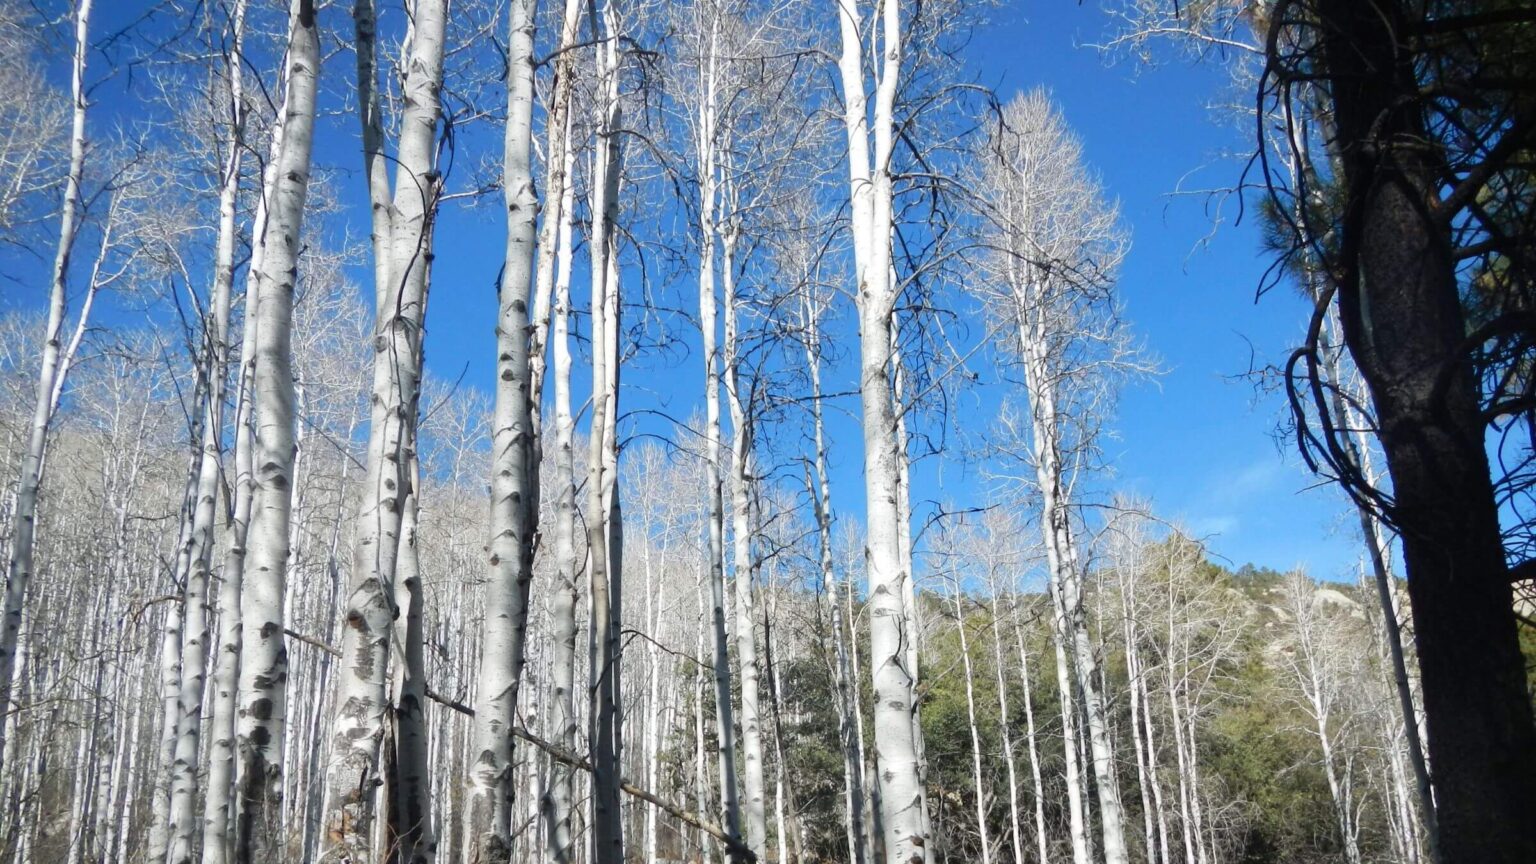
[[1405, 328]]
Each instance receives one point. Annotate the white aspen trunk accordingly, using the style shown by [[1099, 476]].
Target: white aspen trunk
[[1159, 807], [184, 820], [1077, 818], [784, 794], [970, 717], [159, 838], [659, 707], [701, 797], [555, 207], [1015, 823], [725, 726], [875, 832], [604, 528], [1317, 691], [219, 800], [50, 380], [402, 248], [260, 836], [514, 475], [903, 801], [1135, 674], [175, 623], [912, 632], [842, 675], [1063, 561], [412, 838], [564, 721], [742, 535], [1336, 791], [1183, 754]]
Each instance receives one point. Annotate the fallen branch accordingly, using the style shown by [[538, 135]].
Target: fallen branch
[[739, 852]]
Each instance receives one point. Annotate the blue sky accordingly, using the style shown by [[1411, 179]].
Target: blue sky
[[1198, 442]]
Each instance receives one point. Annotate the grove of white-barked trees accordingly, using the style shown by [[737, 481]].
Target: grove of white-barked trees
[[278, 589]]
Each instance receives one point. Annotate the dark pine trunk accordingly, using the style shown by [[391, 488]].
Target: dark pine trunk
[[1404, 326]]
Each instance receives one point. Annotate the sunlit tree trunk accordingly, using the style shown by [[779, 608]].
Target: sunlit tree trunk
[[565, 721], [199, 553], [514, 484], [264, 657], [725, 725], [50, 379], [902, 797], [742, 537], [842, 675], [1004, 727], [402, 248], [604, 528]]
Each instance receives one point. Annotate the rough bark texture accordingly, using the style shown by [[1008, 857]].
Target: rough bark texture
[[1404, 326], [514, 478], [402, 248], [260, 834]]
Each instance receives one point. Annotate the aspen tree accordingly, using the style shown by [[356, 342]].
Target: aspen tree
[[844, 683], [604, 520], [871, 135], [402, 251], [260, 834], [51, 374], [743, 531], [1060, 248], [558, 795], [198, 554], [514, 492]]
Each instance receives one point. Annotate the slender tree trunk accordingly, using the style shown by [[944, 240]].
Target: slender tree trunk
[[903, 800], [563, 604], [744, 565], [159, 835], [219, 803], [1063, 560], [183, 814], [514, 475], [413, 839], [1060, 638], [970, 716], [260, 836], [402, 248], [1005, 730], [50, 380], [725, 726], [843, 679], [1144, 754], [604, 525]]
